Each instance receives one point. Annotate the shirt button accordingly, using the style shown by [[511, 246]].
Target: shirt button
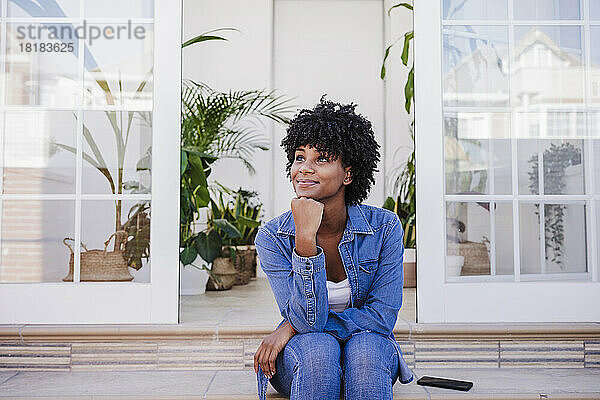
[[308, 267], [309, 295]]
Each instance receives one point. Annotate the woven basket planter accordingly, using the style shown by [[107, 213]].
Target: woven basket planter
[[101, 265], [477, 261]]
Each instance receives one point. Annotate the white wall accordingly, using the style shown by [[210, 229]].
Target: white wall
[[304, 49]]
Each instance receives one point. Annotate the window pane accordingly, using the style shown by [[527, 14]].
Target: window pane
[[117, 154], [116, 8], [55, 9], [565, 238], [596, 173], [474, 145], [128, 259], [32, 240], [475, 9], [562, 166], [39, 149], [529, 238], [467, 238], [594, 6], [475, 66], [548, 66], [595, 64], [118, 66], [547, 10], [42, 70], [504, 239]]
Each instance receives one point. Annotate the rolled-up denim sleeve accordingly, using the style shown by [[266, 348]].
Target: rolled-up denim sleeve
[[298, 283], [380, 310]]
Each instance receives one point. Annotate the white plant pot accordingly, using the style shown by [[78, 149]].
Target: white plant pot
[[192, 281]]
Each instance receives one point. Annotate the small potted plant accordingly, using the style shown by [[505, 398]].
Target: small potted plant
[[236, 220]]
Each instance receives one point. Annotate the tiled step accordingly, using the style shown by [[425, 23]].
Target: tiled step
[[185, 347]]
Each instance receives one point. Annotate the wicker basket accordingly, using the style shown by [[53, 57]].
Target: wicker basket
[[243, 264], [101, 265], [477, 261]]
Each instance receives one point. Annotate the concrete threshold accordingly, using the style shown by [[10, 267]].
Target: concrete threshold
[[411, 331]]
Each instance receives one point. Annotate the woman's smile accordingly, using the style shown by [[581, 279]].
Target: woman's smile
[[306, 183]]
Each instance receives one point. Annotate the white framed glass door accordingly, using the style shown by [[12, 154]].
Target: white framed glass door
[[508, 160], [89, 155]]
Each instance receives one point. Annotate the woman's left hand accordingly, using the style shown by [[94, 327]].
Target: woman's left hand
[[270, 347]]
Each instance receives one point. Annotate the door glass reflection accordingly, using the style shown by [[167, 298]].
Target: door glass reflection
[[467, 238]]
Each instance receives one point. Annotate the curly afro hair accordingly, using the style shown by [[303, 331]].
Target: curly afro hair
[[335, 130]]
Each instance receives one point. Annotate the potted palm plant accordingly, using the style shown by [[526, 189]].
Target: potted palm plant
[[215, 126], [211, 128]]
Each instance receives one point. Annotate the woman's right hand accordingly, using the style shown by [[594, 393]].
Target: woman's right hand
[[307, 218], [270, 347]]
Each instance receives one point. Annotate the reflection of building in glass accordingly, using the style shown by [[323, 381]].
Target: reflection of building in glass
[[537, 92], [547, 83]]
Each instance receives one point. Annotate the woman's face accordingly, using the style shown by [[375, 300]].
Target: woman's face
[[315, 176]]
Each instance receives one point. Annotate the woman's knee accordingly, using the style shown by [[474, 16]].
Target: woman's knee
[[369, 353], [317, 352]]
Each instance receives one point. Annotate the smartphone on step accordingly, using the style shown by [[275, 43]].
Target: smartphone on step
[[445, 383]]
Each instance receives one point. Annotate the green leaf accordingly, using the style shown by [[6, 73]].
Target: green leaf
[[208, 246], [216, 213], [228, 228], [205, 156], [389, 204], [203, 196], [409, 90], [203, 37], [188, 255], [197, 171], [387, 53], [408, 36], [250, 223], [184, 161]]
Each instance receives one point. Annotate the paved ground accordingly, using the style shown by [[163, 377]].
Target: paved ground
[[254, 305], [489, 383]]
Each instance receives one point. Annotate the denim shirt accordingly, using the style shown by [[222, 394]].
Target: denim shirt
[[371, 250]]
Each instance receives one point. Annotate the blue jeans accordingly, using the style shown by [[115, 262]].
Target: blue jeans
[[317, 366]]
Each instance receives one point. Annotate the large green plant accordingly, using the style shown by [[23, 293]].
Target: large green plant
[[404, 202], [217, 125]]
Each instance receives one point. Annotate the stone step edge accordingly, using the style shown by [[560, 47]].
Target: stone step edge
[[125, 332], [433, 396]]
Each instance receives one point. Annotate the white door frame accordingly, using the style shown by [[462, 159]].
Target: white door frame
[[128, 302], [472, 300]]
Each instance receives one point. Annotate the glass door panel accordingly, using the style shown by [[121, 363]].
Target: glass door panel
[[515, 218], [78, 103]]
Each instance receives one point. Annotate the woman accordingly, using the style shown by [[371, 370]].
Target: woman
[[334, 265]]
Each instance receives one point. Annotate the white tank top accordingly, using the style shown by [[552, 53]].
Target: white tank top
[[339, 295]]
